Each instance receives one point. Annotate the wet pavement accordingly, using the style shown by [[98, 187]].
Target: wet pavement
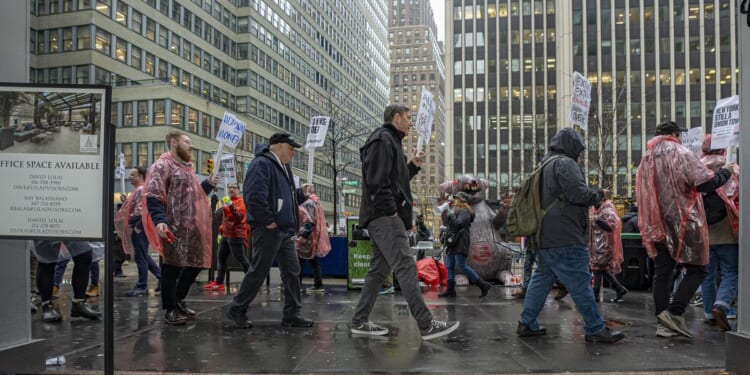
[[485, 343]]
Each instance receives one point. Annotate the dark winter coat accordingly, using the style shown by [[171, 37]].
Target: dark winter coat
[[459, 222], [566, 222], [269, 193], [385, 177]]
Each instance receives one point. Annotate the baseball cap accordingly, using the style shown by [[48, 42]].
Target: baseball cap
[[669, 128], [283, 138], [462, 196]]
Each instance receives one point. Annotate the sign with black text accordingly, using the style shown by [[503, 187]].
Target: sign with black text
[[580, 101]]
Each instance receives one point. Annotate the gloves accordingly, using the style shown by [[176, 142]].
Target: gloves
[[306, 230], [227, 201], [218, 239]]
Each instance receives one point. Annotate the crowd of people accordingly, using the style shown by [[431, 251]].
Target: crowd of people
[[687, 215]]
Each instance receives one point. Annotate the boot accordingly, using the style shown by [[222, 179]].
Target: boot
[[50, 313], [451, 291], [82, 309], [597, 296], [186, 311], [484, 287], [620, 292]]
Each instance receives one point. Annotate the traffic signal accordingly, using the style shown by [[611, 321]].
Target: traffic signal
[[210, 164]]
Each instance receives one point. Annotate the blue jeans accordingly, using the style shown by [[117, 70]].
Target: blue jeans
[[450, 262], [570, 265], [726, 257], [144, 262]]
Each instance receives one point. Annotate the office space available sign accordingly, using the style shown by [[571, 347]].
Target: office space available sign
[[53, 187]]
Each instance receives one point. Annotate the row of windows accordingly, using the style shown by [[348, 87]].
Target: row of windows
[[664, 77], [525, 8], [679, 13], [648, 45], [471, 94]]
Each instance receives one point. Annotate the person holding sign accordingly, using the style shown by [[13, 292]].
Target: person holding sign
[[177, 219], [234, 236], [386, 212], [271, 200]]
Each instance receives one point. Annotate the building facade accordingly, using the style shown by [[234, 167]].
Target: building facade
[[510, 78], [417, 62], [183, 63]]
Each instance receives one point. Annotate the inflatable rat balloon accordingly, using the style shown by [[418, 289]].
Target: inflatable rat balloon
[[489, 257]]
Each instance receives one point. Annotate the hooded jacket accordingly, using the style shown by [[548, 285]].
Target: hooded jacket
[[385, 177], [563, 184]]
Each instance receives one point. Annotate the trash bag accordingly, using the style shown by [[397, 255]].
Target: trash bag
[[432, 272]]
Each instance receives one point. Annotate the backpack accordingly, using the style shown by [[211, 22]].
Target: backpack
[[525, 213]]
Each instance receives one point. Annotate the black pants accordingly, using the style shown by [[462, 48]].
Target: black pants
[[175, 284], [235, 246], [317, 272], [601, 275], [45, 277], [664, 267]]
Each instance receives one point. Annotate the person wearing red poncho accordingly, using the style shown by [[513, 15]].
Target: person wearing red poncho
[[605, 248], [672, 221]]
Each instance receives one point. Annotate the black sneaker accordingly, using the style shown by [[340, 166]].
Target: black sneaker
[[524, 331], [175, 318], [620, 294], [297, 321], [438, 328], [369, 328], [606, 336], [239, 318], [720, 315]]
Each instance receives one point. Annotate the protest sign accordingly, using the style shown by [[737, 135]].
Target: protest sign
[[579, 101]]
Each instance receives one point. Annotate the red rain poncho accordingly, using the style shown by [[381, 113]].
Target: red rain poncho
[[131, 207], [670, 208], [729, 192], [318, 244], [605, 247], [188, 213]]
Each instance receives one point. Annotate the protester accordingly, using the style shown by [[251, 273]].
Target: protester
[[386, 211], [178, 223], [605, 247], [272, 213], [562, 252], [722, 217], [235, 234], [423, 233], [458, 220], [672, 221], [312, 238], [630, 220]]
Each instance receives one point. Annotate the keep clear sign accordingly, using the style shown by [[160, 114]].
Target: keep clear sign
[[579, 101], [725, 131], [425, 117], [230, 131]]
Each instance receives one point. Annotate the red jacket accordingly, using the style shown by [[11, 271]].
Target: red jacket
[[234, 222]]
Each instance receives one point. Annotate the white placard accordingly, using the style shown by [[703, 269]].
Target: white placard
[[725, 130], [227, 170], [316, 137], [693, 139], [231, 130], [579, 101], [425, 116]]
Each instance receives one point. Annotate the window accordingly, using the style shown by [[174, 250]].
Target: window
[[102, 41], [82, 74], [135, 57], [122, 13], [121, 50], [150, 29], [127, 151], [143, 154], [127, 114], [142, 113], [102, 6], [84, 38], [177, 113], [136, 22], [68, 39]]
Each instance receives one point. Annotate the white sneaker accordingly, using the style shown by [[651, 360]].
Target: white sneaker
[[662, 331], [675, 323], [369, 328], [438, 328]]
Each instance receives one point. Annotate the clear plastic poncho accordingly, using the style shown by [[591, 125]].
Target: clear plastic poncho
[[317, 243], [729, 192], [131, 207], [605, 248], [670, 208]]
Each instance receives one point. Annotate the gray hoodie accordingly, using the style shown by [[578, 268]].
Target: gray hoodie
[[565, 224]]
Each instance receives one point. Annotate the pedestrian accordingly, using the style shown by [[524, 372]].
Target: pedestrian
[[722, 217], [235, 234], [129, 223], [386, 211], [605, 248], [672, 221], [561, 251], [178, 223], [312, 239], [458, 221], [272, 206]]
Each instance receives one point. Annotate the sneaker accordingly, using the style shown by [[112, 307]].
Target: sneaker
[[388, 290], [214, 286], [239, 318], [731, 313], [697, 300], [438, 328], [92, 291], [662, 331], [606, 336], [136, 292], [620, 294], [175, 318], [316, 289], [370, 328], [674, 322], [525, 331], [719, 314]]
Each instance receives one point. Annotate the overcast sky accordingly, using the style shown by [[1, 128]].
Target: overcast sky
[[438, 8]]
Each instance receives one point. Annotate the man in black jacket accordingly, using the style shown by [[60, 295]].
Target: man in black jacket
[[562, 252], [386, 212]]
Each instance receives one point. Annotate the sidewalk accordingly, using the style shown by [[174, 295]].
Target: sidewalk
[[485, 343]]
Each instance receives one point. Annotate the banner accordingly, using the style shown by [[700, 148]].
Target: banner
[[227, 170], [725, 130], [316, 137], [579, 101], [425, 117], [693, 140], [231, 130]]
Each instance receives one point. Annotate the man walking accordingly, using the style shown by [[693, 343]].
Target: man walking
[[178, 223], [386, 212], [672, 220], [562, 253], [272, 206]]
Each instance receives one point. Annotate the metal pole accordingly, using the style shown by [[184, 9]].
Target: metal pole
[[335, 179], [109, 334]]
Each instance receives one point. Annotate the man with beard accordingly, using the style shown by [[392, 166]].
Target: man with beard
[[178, 223]]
